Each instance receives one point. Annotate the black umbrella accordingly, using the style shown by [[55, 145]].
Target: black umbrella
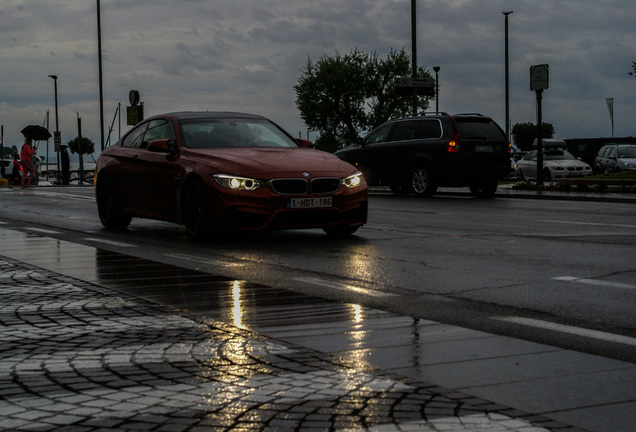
[[36, 132]]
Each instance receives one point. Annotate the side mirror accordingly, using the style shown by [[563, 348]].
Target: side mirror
[[304, 142], [162, 146]]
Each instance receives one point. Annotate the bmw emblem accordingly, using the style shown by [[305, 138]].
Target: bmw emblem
[[306, 175]]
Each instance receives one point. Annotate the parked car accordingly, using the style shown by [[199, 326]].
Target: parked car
[[614, 158], [514, 173], [216, 171], [419, 154], [557, 165]]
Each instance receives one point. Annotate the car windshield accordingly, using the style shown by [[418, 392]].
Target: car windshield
[[627, 152], [558, 155], [227, 132]]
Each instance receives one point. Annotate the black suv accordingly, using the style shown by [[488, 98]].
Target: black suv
[[421, 153]]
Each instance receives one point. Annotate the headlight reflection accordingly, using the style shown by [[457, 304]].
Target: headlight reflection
[[237, 310]]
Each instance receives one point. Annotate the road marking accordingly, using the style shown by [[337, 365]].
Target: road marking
[[110, 242], [204, 260], [591, 223], [562, 328], [41, 230], [595, 282], [344, 287]]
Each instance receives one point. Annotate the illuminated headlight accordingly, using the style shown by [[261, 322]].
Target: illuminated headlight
[[353, 181], [238, 183]]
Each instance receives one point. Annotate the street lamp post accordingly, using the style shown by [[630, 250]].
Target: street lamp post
[[57, 129], [507, 77], [436, 69]]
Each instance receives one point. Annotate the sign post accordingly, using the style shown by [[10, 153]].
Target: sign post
[[539, 80]]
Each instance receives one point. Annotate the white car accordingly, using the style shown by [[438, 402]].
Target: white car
[[557, 165]]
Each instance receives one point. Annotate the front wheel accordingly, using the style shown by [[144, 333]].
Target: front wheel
[[421, 181], [109, 213], [195, 211]]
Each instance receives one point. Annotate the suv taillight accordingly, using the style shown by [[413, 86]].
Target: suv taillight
[[453, 145]]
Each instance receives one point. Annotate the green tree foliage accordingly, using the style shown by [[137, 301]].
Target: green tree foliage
[[523, 134], [81, 146], [343, 96]]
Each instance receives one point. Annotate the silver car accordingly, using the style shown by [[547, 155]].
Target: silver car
[[615, 158], [557, 165]]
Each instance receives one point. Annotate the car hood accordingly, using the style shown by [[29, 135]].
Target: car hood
[[270, 162], [565, 163]]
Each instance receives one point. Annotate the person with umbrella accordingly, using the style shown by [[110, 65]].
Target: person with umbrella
[[26, 157]]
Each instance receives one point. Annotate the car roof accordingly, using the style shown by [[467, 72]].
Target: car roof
[[187, 115]]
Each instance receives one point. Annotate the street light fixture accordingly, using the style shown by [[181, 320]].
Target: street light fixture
[[507, 78], [436, 69], [57, 129]]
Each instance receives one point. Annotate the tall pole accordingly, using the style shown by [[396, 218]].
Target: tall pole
[[101, 87], [414, 52], [57, 128], [507, 77]]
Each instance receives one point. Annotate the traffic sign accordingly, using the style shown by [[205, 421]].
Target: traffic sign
[[539, 77], [422, 86]]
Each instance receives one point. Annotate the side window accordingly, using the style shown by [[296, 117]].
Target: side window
[[158, 129], [612, 152], [429, 129], [134, 138], [531, 157], [404, 130], [380, 134]]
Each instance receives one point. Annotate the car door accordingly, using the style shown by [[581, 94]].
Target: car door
[[158, 174]]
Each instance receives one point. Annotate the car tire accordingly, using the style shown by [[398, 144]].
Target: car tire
[[484, 188], [195, 211], [107, 206], [341, 230], [421, 182]]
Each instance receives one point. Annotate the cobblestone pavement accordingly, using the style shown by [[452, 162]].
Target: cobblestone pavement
[[78, 357]]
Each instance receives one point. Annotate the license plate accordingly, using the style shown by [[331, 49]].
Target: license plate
[[296, 203], [484, 148]]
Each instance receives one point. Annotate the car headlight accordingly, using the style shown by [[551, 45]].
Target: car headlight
[[238, 183], [354, 180], [630, 165], [557, 168]]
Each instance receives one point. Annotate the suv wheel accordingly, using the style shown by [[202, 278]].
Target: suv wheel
[[421, 182]]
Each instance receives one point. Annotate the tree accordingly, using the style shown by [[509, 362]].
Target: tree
[[523, 134], [633, 72], [81, 146], [342, 96]]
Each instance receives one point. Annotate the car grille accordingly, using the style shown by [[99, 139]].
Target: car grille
[[319, 186], [578, 168]]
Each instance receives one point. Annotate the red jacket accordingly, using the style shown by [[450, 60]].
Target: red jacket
[[27, 152]]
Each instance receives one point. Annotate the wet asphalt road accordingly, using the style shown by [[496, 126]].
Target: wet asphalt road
[[502, 266]]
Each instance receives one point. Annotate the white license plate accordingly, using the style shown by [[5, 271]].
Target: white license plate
[[296, 203], [484, 148]]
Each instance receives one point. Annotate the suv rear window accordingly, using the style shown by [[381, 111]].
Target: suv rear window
[[475, 128]]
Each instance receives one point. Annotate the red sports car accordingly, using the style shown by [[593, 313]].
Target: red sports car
[[216, 171]]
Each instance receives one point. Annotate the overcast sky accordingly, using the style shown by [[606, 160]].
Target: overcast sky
[[246, 55]]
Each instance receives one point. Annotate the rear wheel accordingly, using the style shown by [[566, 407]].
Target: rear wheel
[[421, 181], [195, 210], [107, 207]]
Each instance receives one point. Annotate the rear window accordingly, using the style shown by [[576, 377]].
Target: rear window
[[471, 128]]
